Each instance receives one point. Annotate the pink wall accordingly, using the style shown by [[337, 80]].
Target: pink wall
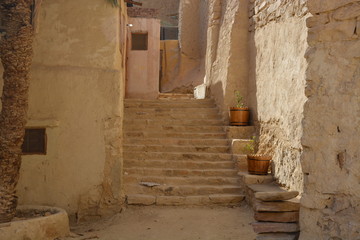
[[143, 65]]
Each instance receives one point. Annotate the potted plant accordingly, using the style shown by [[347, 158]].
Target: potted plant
[[239, 115], [258, 164]]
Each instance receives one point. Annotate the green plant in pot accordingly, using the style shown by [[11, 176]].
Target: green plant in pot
[[239, 115], [258, 164]]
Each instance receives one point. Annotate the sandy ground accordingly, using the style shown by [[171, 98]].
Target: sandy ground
[[171, 223]]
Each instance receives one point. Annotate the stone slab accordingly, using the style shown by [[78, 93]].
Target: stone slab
[[277, 236], [276, 196], [226, 198], [277, 216], [240, 132], [238, 146], [270, 227], [250, 179], [139, 199], [280, 206]]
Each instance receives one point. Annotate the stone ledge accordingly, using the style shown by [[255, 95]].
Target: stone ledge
[[44, 228], [270, 227]]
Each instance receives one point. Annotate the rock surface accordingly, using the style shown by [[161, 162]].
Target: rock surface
[[269, 227], [277, 216], [276, 196]]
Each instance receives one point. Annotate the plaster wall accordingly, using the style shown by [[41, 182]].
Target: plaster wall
[[331, 140], [76, 93], [143, 66], [227, 51], [278, 42]]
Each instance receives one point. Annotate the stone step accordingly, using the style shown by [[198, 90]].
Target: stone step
[[138, 114], [169, 110], [170, 128], [277, 216], [148, 123], [292, 205], [269, 192], [170, 104], [177, 156], [182, 190], [239, 146], [177, 141], [218, 199], [161, 134], [188, 164], [137, 179], [250, 179], [277, 236], [240, 132], [270, 227], [175, 96], [169, 172], [174, 148]]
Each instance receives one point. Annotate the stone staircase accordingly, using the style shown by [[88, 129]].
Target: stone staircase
[[176, 152]]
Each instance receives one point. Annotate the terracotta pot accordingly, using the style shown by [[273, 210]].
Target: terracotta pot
[[258, 164], [239, 116]]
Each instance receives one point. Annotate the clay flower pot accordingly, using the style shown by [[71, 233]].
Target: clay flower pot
[[239, 116], [258, 164]]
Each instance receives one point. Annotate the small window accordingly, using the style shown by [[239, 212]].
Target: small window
[[139, 41], [34, 141]]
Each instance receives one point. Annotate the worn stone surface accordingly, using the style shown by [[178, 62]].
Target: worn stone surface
[[277, 236], [276, 196], [270, 227], [277, 216], [138, 199], [227, 52], [283, 206], [278, 42], [331, 166]]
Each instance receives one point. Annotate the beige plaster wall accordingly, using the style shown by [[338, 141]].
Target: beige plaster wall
[[76, 92], [143, 66], [278, 42], [330, 203], [227, 51]]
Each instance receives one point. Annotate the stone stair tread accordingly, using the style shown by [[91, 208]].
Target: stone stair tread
[[176, 95], [176, 164], [251, 179], [180, 180], [277, 236], [171, 148], [181, 172], [272, 227], [271, 187], [178, 155], [292, 205], [189, 135], [176, 141]]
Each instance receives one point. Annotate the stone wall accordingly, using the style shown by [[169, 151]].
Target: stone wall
[[142, 12], [168, 10], [278, 42], [227, 51], [76, 93], [331, 158]]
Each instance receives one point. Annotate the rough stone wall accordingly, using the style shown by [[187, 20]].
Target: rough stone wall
[[227, 51], [76, 92], [278, 42], [168, 10], [142, 12], [331, 159]]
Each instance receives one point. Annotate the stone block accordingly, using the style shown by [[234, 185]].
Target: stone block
[[238, 146], [347, 12], [276, 196], [170, 200], [285, 217], [249, 179], [138, 199], [318, 6], [240, 132], [317, 20], [270, 227], [283, 206], [277, 236], [226, 198]]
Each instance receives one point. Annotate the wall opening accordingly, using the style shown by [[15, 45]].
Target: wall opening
[[34, 141], [139, 41]]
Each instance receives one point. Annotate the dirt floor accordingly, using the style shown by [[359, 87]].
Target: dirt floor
[[171, 223]]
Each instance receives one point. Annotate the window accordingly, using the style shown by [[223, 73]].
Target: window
[[34, 141], [139, 41]]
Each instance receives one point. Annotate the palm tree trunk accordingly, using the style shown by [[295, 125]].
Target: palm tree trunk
[[16, 57]]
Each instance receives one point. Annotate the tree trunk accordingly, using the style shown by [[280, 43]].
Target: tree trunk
[[16, 57]]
